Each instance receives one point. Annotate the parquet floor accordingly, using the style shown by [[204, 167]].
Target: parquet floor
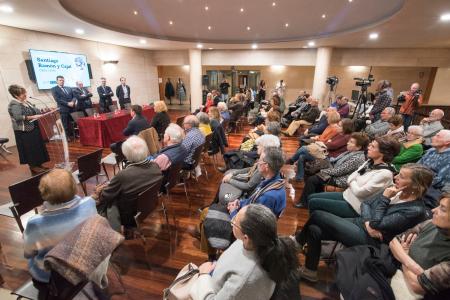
[[165, 258]]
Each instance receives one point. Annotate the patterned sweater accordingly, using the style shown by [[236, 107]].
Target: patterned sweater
[[342, 166], [439, 162]]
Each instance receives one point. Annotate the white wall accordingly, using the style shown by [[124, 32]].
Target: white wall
[[135, 64], [440, 94]]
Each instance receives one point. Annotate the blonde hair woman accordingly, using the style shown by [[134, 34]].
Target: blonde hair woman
[[161, 120]]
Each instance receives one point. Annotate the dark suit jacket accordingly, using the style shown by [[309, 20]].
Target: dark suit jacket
[[135, 126], [84, 100], [124, 188], [120, 94], [105, 97], [63, 99]]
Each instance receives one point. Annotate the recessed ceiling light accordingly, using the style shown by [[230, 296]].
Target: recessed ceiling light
[[286, 25], [206, 7], [274, 4], [210, 48], [135, 12], [242, 10], [142, 41], [350, 0], [209, 27], [324, 16], [199, 46], [254, 46], [248, 28], [170, 22], [311, 44], [445, 17], [373, 36], [79, 31], [6, 8]]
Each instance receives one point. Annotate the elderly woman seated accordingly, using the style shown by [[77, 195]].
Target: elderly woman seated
[[62, 211], [396, 129], [251, 267], [399, 208], [224, 113], [412, 148], [204, 125]]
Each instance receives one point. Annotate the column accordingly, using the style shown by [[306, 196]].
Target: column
[[195, 76], [321, 73]]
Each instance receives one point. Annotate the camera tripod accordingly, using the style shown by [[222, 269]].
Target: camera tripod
[[362, 102], [331, 95]]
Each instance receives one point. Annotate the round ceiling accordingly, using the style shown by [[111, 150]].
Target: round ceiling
[[233, 21]]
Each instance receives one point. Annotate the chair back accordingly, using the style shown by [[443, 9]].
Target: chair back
[[76, 115], [112, 107], [197, 155], [180, 121], [150, 136], [89, 165], [25, 196], [90, 111], [173, 176], [207, 144], [147, 202]]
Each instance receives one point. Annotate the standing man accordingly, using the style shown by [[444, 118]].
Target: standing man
[[105, 94], [224, 86], [66, 103], [83, 97], [123, 92], [412, 100]]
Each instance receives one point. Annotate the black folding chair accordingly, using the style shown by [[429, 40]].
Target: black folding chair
[[206, 146], [88, 167], [75, 116], [25, 196]]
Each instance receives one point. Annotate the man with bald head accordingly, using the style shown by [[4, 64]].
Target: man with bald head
[[413, 99], [381, 126], [193, 139], [83, 96], [432, 125]]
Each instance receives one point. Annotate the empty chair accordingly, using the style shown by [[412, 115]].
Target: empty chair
[[88, 167], [75, 116]]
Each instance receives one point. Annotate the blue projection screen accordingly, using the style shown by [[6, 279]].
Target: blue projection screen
[[49, 64]]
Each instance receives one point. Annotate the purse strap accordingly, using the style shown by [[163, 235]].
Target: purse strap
[[188, 275]]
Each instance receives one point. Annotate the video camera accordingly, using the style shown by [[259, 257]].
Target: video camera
[[332, 80], [364, 82], [401, 98]]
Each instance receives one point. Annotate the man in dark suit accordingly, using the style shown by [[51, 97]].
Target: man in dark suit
[[83, 97], [105, 93], [66, 103], [123, 93], [137, 123]]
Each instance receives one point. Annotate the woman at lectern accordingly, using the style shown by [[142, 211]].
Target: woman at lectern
[[30, 145]]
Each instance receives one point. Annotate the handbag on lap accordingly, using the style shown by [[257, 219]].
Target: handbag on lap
[[179, 289]]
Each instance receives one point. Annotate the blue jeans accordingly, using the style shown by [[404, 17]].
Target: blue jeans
[[300, 157], [406, 121], [224, 97]]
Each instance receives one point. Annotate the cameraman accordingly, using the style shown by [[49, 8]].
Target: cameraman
[[412, 100], [383, 99]]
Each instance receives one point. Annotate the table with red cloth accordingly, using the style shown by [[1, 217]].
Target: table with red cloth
[[107, 128]]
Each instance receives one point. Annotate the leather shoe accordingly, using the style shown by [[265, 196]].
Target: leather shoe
[[222, 169]]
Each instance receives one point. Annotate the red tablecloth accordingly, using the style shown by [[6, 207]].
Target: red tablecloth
[[104, 130]]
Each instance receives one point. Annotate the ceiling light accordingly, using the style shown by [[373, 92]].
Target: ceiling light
[[135, 12], [79, 31], [242, 10], [350, 0], [274, 4], [199, 46], [210, 48], [373, 36], [286, 25], [248, 28], [324, 16], [311, 44], [142, 41], [6, 8], [254, 46], [206, 7], [170, 22], [209, 27], [445, 17]]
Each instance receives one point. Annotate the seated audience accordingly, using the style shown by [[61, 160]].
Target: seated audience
[[137, 123], [371, 178], [338, 144], [381, 126], [62, 211], [258, 265], [383, 216], [424, 255], [332, 129], [411, 150], [396, 129], [118, 199], [339, 170], [242, 182], [193, 139], [161, 119], [173, 153], [214, 117], [305, 118], [224, 113], [236, 106], [432, 125], [383, 99], [204, 125], [342, 106], [216, 97], [209, 102]]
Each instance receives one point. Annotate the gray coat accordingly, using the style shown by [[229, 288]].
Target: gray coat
[[342, 166], [18, 111]]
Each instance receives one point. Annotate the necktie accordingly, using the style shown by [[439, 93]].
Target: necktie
[[64, 90]]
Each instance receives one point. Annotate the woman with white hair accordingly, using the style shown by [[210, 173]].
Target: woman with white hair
[[223, 110], [412, 148], [238, 182]]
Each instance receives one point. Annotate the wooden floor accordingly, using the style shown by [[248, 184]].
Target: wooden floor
[[165, 258]]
